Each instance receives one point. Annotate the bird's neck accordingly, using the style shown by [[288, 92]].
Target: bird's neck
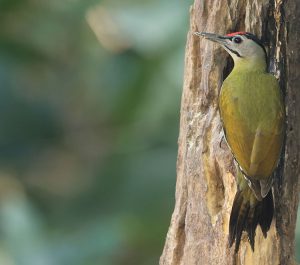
[[256, 64]]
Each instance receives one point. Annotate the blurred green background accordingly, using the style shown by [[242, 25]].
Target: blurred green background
[[89, 110]]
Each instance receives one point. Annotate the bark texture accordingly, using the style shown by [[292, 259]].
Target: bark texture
[[198, 233]]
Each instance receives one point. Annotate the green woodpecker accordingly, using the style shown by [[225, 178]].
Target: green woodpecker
[[253, 115]]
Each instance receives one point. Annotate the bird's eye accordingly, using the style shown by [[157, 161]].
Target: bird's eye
[[237, 40]]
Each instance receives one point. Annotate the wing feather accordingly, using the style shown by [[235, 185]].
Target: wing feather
[[252, 114]]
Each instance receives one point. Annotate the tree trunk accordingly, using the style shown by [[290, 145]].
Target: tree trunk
[[198, 233]]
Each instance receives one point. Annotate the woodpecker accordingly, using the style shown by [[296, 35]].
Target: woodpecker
[[253, 117]]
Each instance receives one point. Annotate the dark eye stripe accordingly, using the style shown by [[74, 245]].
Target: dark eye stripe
[[226, 38]]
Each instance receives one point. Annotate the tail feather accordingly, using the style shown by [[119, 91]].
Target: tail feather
[[252, 221], [245, 216], [237, 204], [266, 216], [241, 224]]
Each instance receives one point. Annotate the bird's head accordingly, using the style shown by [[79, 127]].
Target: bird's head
[[240, 45]]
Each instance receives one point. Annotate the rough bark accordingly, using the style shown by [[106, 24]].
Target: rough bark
[[198, 233]]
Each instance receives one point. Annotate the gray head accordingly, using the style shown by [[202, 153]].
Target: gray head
[[240, 45]]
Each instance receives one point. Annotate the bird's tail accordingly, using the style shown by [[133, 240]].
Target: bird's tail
[[247, 212]]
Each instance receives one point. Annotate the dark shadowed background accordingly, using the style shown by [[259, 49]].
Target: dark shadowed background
[[89, 116]]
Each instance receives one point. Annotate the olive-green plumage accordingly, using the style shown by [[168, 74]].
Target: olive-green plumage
[[252, 113]]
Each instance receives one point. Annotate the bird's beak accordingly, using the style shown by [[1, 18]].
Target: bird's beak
[[212, 37]]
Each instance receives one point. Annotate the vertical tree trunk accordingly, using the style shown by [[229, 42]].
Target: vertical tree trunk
[[198, 233]]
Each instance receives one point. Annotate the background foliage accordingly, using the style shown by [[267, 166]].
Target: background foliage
[[89, 109]]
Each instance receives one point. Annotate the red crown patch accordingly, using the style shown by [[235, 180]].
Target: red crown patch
[[236, 33]]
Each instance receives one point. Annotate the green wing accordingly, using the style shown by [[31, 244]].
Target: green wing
[[252, 113]]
